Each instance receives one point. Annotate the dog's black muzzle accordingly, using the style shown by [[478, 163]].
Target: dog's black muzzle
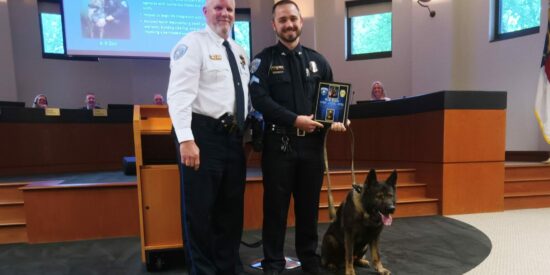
[[389, 210]]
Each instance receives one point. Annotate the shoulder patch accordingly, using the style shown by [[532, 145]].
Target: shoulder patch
[[254, 65], [254, 79], [179, 52]]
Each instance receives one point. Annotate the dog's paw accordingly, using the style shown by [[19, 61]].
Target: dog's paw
[[350, 271], [362, 262], [384, 271]]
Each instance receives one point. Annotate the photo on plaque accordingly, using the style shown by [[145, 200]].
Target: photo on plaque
[[332, 102]]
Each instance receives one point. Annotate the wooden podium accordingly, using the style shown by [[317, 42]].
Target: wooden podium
[[158, 184]]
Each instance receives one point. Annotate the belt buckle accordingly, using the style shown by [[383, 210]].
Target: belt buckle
[[300, 132]]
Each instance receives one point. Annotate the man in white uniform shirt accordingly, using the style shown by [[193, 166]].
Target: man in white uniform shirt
[[205, 100]]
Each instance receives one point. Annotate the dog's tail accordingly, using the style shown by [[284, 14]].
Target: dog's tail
[[331, 208]]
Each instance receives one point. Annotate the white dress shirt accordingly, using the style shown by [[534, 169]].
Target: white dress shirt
[[201, 80]]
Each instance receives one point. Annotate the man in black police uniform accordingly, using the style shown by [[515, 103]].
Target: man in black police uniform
[[283, 88]]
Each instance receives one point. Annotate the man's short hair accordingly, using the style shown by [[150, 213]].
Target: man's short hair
[[284, 2]]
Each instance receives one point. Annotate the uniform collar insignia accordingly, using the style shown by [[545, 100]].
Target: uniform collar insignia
[[243, 61]]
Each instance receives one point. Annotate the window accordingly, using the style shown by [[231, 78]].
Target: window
[[241, 30], [369, 29], [514, 18]]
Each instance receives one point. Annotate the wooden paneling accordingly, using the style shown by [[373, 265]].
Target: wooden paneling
[[527, 201], [474, 135], [63, 147], [458, 153], [473, 188], [417, 137], [161, 206], [65, 212], [522, 172], [12, 213], [527, 185], [15, 233], [9, 192], [253, 204]]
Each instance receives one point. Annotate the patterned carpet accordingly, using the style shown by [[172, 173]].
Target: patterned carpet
[[420, 245]]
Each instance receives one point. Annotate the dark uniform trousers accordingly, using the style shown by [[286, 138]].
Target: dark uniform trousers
[[212, 199], [298, 173]]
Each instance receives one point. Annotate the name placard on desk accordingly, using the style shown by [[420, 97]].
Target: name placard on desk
[[332, 102], [52, 112], [100, 112]]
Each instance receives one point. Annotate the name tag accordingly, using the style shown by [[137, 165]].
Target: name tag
[[52, 112], [277, 69], [216, 57], [100, 112]]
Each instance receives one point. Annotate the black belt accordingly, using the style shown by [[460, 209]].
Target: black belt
[[289, 131], [225, 123]]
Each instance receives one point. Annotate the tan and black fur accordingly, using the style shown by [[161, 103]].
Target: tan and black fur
[[358, 224]]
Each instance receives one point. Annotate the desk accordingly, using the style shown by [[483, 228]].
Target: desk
[[75, 141]]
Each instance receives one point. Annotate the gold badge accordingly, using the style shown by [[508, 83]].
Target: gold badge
[[343, 93], [216, 57]]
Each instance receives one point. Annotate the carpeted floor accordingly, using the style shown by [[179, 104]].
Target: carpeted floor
[[420, 245]]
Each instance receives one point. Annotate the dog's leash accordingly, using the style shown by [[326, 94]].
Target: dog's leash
[[356, 187]]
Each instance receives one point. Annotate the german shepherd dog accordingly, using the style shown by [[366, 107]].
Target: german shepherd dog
[[358, 224]]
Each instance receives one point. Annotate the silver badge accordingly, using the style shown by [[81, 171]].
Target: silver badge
[[179, 52], [254, 65], [313, 66]]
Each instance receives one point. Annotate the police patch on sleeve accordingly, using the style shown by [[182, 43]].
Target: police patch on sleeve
[[179, 52], [254, 79], [254, 65]]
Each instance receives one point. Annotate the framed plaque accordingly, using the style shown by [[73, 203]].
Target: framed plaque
[[332, 103]]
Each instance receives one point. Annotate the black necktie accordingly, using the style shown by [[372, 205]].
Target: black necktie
[[303, 107], [239, 92]]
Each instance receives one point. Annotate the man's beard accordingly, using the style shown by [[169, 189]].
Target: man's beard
[[282, 35]]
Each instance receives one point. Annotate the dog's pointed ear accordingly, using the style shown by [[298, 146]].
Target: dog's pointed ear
[[392, 179], [371, 178]]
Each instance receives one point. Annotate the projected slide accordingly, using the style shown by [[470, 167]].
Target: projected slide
[[131, 28]]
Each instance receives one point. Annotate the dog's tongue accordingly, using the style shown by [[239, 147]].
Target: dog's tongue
[[386, 220]]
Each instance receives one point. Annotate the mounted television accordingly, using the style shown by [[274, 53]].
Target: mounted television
[[128, 28]]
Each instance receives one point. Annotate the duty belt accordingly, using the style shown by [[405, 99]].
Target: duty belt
[[225, 123], [290, 131]]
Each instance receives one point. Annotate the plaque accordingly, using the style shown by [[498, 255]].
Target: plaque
[[332, 103], [52, 112], [99, 112]]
